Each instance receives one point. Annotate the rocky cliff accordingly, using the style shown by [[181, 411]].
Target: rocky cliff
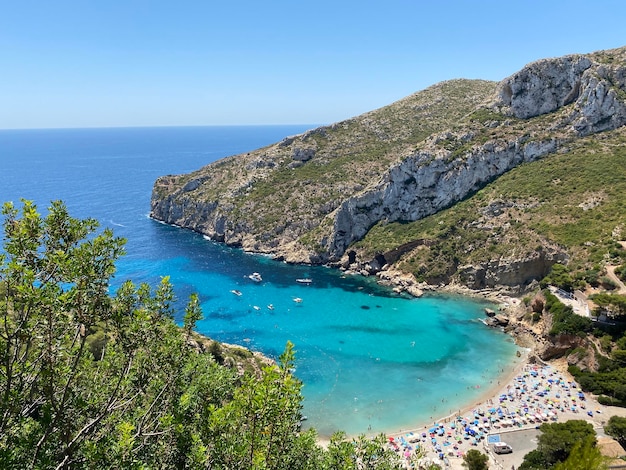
[[310, 197], [435, 177]]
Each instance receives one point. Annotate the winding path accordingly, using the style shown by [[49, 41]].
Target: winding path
[[610, 272]]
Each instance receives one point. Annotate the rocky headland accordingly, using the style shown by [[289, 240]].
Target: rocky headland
[[317, 197]]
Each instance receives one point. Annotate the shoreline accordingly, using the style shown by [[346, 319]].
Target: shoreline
[[489, 394], [489, 387], [448, 444], [447, 440], [558, 398]]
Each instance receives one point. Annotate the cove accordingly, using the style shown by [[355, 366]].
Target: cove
[[370, 360]]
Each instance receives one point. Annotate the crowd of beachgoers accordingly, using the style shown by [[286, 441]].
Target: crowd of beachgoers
[[535, 394]]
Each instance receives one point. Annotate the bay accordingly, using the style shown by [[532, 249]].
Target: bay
[[370, 360]]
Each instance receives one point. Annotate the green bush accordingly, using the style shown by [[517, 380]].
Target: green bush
[[564, 320], [560, 277], [604, 400]]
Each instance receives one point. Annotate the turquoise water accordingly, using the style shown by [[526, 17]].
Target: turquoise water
[[369, 359]]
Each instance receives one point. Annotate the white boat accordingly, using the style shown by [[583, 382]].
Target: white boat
[[297, 300], [270, 307], [236, 292], [256, 277], [304, 280]]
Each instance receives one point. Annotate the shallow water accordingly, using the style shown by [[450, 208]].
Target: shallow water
[[369, 359]]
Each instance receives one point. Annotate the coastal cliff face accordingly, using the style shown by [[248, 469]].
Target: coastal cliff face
[[434, 178], [309, 198]]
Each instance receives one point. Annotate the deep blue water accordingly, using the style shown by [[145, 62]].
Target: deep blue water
[[370, 360]]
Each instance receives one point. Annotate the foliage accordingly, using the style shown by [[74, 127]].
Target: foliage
[[584, 456], [534, 460], [94, 380], [613, 303], [257, 427], [360, 453], [135, 399], [475, 460], [616, 428], [564, 320], [560, 277], [556, 442], [611, 383]]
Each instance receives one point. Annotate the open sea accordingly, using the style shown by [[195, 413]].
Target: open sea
[[371, 361]]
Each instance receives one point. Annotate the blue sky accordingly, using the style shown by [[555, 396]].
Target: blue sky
[[152, 63]]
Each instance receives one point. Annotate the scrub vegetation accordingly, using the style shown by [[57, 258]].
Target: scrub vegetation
[[94, 380], [574, 201]]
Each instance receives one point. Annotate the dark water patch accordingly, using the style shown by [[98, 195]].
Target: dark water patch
[[221, 315], [370, 330]]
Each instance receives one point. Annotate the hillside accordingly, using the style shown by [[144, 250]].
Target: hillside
[[472, 182]]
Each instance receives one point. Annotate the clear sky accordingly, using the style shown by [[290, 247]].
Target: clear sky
[[88, 63]]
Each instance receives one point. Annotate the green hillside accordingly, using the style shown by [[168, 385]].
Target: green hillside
[[573, 201]]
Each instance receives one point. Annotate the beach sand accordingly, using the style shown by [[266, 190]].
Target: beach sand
[[530, 395]]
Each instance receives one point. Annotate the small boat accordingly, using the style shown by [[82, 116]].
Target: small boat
[[304, 280], [256, 307], [270, 307], [236, 292], [256, 277], [297, 300]]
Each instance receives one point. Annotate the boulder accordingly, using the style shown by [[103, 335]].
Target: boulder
[[501, 320]]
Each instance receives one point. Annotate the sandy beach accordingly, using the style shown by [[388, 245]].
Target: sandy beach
[[532, 394]]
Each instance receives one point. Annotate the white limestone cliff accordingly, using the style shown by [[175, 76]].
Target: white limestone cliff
[[423, 183]]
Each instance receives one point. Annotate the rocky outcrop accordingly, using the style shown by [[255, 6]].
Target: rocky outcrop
[[542, 87], [510, 272], [559, 346], [595, 89]]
